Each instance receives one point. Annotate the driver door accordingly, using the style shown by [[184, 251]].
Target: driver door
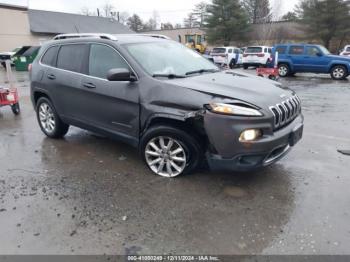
[[112, 106]]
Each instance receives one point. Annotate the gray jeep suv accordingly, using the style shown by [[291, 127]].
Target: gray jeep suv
[[172, 104]]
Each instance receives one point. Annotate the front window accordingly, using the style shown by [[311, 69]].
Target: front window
[[324, 50], [102, 59], [166, 57]]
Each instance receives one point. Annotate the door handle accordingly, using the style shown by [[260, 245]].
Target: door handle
[[89, 85], [51, 76]]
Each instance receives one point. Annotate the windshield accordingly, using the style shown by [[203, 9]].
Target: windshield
[[167, 57], [324, 50], [253, 49]]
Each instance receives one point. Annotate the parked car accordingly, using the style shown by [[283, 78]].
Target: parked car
[[7, 56], [256, 56], [165, 99], [345, 51], [228, 55], [295, 58]]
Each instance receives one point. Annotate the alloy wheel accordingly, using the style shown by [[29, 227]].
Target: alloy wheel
[[165, 156], [283, 70], [338, 73], [47, 118]]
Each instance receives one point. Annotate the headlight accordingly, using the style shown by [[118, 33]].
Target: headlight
[[233, 110]]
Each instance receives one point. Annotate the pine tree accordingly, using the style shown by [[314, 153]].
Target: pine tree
[[324, 20], [226, 20], [135, 23], [259, 11]]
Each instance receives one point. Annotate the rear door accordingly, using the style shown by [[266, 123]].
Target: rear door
[[110, 106], [296, 54], [67, 92]]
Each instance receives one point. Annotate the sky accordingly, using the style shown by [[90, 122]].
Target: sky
[[173, 11]]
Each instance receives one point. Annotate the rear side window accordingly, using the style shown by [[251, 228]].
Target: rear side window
[[230, 51], [281, 49], [71, 57], [348, 49], [254, 50], [49, 58], [104, 58], [296, 50]]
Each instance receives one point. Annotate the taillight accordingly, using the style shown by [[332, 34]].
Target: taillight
[[260, 55], [30, 67]]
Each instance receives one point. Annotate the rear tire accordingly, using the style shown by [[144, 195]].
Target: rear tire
[[245, 66], [283, 70], [232, 64], [339, 72], [48, 119], [161, 157], [16, 109]]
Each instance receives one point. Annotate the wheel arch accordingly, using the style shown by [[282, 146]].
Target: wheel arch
[[338, 64]]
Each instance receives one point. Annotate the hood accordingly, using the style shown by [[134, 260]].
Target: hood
[[340, 58], [255, 90]]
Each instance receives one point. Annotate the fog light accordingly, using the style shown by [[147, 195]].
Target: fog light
[[250, 135]]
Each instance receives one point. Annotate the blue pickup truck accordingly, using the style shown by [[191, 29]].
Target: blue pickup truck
[[295, 58]]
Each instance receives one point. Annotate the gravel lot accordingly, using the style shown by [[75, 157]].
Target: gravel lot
[[90, 195]]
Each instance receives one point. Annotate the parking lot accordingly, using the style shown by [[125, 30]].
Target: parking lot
[[89, 195]]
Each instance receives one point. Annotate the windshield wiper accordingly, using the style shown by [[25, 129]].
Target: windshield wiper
[[201, 71], [170, 76]]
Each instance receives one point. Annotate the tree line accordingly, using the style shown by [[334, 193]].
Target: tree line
[[227, 20]]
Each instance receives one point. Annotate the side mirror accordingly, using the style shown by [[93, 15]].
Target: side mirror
[[319, 54], [120, 74]]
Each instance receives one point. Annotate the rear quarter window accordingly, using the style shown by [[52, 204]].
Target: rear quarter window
[[71, 57], [49, 57]]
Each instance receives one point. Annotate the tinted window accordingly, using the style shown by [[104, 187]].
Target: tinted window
[[281, 49], [102, 59], [254, 50], [312, 51], [270, 50], [348, 49], [237, 51], [70, 57], [219, 50], [230, 51], [50, 55], [296, 50]]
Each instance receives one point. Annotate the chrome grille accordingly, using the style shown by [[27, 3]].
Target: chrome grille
[[286, 111]]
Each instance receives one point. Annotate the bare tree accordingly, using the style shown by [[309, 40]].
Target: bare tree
[[108, 10], [86, 11]]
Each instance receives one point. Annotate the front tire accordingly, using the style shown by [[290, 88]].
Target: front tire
[[339, 72], [169, 151], [283, 70], [48, 119]]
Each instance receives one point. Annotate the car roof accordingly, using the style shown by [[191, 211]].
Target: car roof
[[121, 38]]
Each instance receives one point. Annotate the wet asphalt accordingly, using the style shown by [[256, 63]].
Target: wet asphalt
[[86, 194]]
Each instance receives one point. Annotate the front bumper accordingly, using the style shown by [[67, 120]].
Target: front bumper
[[228, 153]]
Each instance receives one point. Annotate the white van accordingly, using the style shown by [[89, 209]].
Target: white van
[[228, 55], [256, 56]]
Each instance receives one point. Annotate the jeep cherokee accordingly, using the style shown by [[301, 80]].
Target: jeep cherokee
[[172, 104]]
